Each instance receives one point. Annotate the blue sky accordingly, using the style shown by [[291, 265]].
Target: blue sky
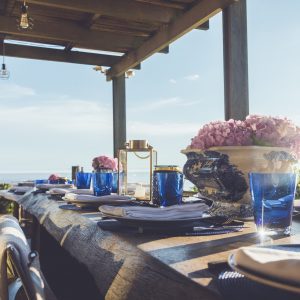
[[54, 115]]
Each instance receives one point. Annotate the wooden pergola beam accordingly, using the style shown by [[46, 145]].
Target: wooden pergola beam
[[235, 49], [192, 19], [71, 32], [3, 5], [59, 55], [124, 9]]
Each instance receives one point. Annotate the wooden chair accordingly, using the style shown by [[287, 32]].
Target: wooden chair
[[20, 273]]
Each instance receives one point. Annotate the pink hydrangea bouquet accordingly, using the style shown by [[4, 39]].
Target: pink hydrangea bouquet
[[105, 162], [255, 130]]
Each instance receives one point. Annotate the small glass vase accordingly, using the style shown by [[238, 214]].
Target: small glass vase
[[103, 182]]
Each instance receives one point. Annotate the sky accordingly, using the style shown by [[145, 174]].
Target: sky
[[55, 115]]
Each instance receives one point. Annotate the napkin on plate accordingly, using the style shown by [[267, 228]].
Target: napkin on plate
[[176, 212], [47, 186], [81, 197], [20, 189], [279, 264], [61, 191]]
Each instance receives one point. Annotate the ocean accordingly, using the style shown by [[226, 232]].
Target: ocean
[[136, 177], [18, 177]]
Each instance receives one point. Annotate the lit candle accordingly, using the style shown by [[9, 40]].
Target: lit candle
[[140, 191]]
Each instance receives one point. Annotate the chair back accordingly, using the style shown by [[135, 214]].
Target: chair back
[[18, 261]]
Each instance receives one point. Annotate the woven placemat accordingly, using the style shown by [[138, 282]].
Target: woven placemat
[[235, 286], [114, 225], [77, 208]]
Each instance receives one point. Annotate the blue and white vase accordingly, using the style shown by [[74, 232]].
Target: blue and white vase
[[222, 174]]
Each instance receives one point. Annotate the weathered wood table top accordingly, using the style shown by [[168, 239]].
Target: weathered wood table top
[[125, 264]]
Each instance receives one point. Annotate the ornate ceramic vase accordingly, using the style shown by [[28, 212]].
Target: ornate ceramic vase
[[221, 174]]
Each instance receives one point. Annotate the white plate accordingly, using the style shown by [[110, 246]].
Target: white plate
[[263, 279]]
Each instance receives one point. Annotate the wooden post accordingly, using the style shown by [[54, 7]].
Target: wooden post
[[235, 61], [119, 112]]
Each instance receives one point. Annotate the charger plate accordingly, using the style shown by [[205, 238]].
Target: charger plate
[[265, 279]]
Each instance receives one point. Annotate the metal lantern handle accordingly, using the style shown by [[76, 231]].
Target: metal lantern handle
[[141, 157]]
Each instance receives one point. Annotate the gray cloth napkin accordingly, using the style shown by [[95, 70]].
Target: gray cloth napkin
[[20, 189], [82, 198], [61, 191], [50, 186], [280, 264], [8, 196], [175, 212]]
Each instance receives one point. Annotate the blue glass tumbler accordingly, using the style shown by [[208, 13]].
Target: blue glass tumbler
[[167, 186], [102, 183], [115, 182], [83, 180], [272, 196]]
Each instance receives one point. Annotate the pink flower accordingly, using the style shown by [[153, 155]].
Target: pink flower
[[222, 133], [274, 131], [255, 130], [105, 162], [54, 177]]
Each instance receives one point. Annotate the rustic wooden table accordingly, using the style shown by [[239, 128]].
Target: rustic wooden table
[[129, 265]]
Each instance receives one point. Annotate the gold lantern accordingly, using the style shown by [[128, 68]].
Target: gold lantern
[[136, 163]]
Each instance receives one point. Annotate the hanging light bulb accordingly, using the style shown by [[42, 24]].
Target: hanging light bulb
[[129, 73], [4, 73], [25, 22]]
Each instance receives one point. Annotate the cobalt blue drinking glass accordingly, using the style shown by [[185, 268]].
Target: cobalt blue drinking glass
[[167, 186], [115, 182], [83, 180], [41, 181], [102, 183], [273, 195]]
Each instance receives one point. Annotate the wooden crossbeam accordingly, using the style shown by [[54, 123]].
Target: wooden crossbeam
[[59, 55], [72, 32], [193, 18], [93, 19], [124, 9], [204, 26]]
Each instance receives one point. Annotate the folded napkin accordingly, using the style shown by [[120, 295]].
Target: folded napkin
[[81, 197], [175, 212], [27, 183], [61, 191], [8, 196], [20, 189], [47, 186], [278, 264]]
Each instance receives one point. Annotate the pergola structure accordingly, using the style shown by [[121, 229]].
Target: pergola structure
[[133, 30]]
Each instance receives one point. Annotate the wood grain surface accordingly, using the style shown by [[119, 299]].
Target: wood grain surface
[[130, 265]]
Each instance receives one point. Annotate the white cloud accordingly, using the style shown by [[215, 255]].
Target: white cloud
[[173, 81], [162, 129], [12, 90], [65, 116], [192, 77], [167, 102]]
